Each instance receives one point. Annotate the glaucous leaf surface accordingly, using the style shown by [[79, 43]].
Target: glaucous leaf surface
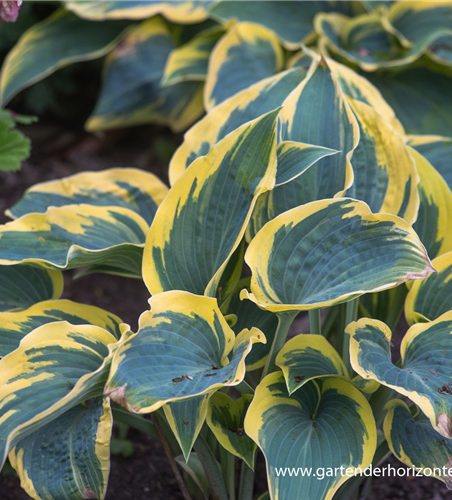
[[247, 105], [131, 91], [307, 357], [429, 298], [22, 286], [414, 442], [69, 457], [203, 219], [326, 424], [76, 235], [59, 40], [56, 367], [15, 325], [181, 350], [248, 53], [385, 174], [425, 371], [186, 418], [131, 188], [331, 251]]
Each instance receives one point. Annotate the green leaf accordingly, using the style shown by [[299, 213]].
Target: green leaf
[[131, 188], [425, 372], [14, 148], [196, 472], [328, 252], [225, 419], [177, 12], [429, 298], [247, 105], [186, 419], [420, 98], [14, 326], [131, 93], [181, 350], [56, 367], [247, 54], [68, 457], [249, 316], [58, 41], [415, 443], [194, 235], [74, 236], [326, 424], [435, 209], [23, 286]]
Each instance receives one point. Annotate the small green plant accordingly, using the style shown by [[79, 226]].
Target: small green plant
[[306, 174]]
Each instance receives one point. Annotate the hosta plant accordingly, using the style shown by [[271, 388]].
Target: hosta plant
[[299, 194]]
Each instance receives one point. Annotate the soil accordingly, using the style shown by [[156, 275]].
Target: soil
[[146, 475]]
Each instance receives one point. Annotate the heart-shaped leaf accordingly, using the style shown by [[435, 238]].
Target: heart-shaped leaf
[[14, 326], [22, 286], [131, 188], [414, 442], [56, 367], [425, 372], [429, 298], [325, 425], [69, 457], [328, 252], [181, 350], [194, 234]]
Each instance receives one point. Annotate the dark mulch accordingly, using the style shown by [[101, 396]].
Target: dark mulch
[[146, 475]]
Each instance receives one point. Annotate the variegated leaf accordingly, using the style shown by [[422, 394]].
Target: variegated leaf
[[225, 418], [430, 298], [247, 105], [130, 188], [131, 92], [247, 54], [22, 286], [69, 457], [58, 41], [424, 373], [56, 367], [181, 350], [14, 326], [203, 219], [74, 236], [325, 424], [331, 251], [414, 442]]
